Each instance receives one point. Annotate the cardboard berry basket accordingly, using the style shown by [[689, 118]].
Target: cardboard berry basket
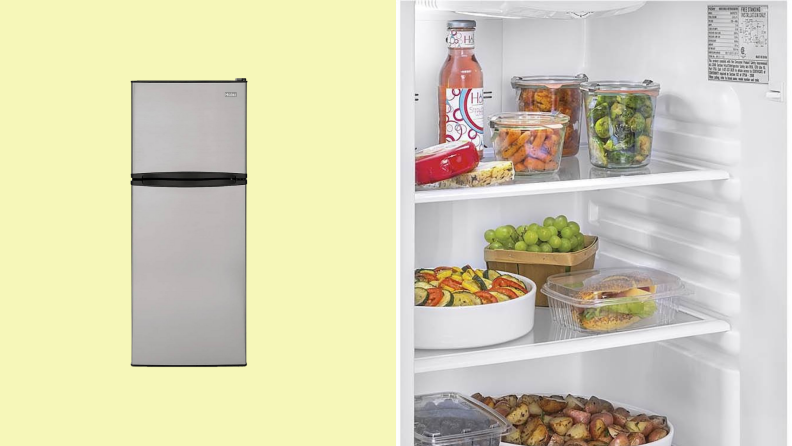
[[538, 266]]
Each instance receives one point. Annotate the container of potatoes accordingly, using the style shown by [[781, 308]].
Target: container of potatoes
[[538, 266]]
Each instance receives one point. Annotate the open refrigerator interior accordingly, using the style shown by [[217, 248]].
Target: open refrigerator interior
[[714, 220]]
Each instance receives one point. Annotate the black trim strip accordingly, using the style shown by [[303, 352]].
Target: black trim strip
[[188, 176], [190, 183], [200, 365]]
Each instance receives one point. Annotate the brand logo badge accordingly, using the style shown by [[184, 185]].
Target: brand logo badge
[[230, 94]]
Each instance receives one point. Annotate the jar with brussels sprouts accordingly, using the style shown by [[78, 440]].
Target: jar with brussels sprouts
[[620, 120]]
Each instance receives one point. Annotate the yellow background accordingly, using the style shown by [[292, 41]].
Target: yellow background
[[321, 223]]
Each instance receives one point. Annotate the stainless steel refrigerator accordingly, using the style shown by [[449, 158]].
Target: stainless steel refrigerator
[[189, 176]]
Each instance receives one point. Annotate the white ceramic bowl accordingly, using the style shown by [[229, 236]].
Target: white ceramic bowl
[[478, 325], [665, 441]]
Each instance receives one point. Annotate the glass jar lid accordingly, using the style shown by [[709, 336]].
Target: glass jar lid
[[461, 24], [528, 120], [555, 81], [646, 87]]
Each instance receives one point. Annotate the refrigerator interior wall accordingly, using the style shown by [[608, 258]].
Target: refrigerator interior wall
[[724, 238]]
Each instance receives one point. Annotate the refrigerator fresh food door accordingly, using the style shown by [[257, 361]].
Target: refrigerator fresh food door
[[189, 126], [188, 274]]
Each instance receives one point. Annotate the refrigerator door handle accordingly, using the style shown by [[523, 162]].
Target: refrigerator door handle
[[190, 183]]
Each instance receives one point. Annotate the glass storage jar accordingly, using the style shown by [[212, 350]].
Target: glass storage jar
[[533, 141], [620, 119], [553, 94]]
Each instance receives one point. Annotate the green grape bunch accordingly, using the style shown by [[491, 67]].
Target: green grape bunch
[[554, 234]]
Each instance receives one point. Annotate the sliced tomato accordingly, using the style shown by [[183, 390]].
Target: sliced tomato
[[451, 284], [486, 298], [504, 281], [428, 277], [442, 268], [505, 290], [435, 296]]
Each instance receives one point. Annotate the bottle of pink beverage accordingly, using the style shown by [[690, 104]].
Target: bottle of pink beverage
[[460, 93]]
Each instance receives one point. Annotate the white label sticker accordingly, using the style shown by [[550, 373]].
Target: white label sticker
[[737, 43]]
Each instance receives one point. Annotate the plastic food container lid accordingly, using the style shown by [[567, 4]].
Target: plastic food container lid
[[548, 81], [449, 418], [648, 86], [529, 120], [610, 286], [444, 161]]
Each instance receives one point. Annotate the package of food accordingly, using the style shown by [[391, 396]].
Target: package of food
[[620, 116], [614, 299], [453, 419], [553, 94], [533, 141], [488, 173], [444, 161]]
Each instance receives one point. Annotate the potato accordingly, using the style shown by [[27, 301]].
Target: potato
[[578, 431], [512, 400], [546, 418], [518, 415], [534, 409], [573, 402], [598, 429], [477, 396], [620, 440], [656, 435], [489, 402], [502, 407], [607, 406], [605, 416], [529, 426], [597, 443], [552, 405], [513, 438], [632, 426], [577, 443], [615, 430], [578, 416], [646, 427], [538, 437], [636, 439], [528, 399], [556, 440], [594, 405], [561, 424], [620, 416], [659, 421], [640, 417]]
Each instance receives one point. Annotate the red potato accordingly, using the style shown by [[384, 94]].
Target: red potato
[[620, 440], [551, 405], [534, 409], [598, 429], [561, 424], [578, 443], [578, 416], [477, 396], [605, 416], [502, 407], [594, 405], [614, 430], [518, 415], [489, 402], [597, 443], [538, 437], [659, 422], [656, 434], [574, 402], [620, 416], [646, 427], [556, 440], [636, 439]]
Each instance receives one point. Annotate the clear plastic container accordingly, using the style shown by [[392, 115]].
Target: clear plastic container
[[533, 141], [450, 418], [444, 161], [620, 118], [614, 299], [553, 94]]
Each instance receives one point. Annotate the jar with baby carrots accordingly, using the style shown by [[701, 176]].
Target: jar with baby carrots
[[533, 141]]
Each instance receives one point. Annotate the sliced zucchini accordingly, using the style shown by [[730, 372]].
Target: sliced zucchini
[[447, 300], [444, 273], [481, 284], [468, 274], [500, 296], [421, 296], [435, 283], [480, 273], [491, 274], [488, 284], [517, 291], [468, 268], [467, 298], [424, 285]]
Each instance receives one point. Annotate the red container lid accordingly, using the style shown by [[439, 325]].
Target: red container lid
[[444, 161]]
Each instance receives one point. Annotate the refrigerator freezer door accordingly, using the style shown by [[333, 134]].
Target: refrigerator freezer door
[[189, 126], [188, 275]]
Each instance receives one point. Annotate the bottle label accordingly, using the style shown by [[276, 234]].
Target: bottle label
[[460, 39], [465, 115]]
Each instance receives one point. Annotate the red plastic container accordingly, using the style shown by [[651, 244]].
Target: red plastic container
[[444, 161]]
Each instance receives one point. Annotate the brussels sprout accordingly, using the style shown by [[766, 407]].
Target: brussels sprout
[[645, 106], [608, 146], [602, 127], [648, 126], [622, 146], [620, 113], [598, 112], [637, 123], [597, 152], [629, 100], [621, 158], [644, 145]]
